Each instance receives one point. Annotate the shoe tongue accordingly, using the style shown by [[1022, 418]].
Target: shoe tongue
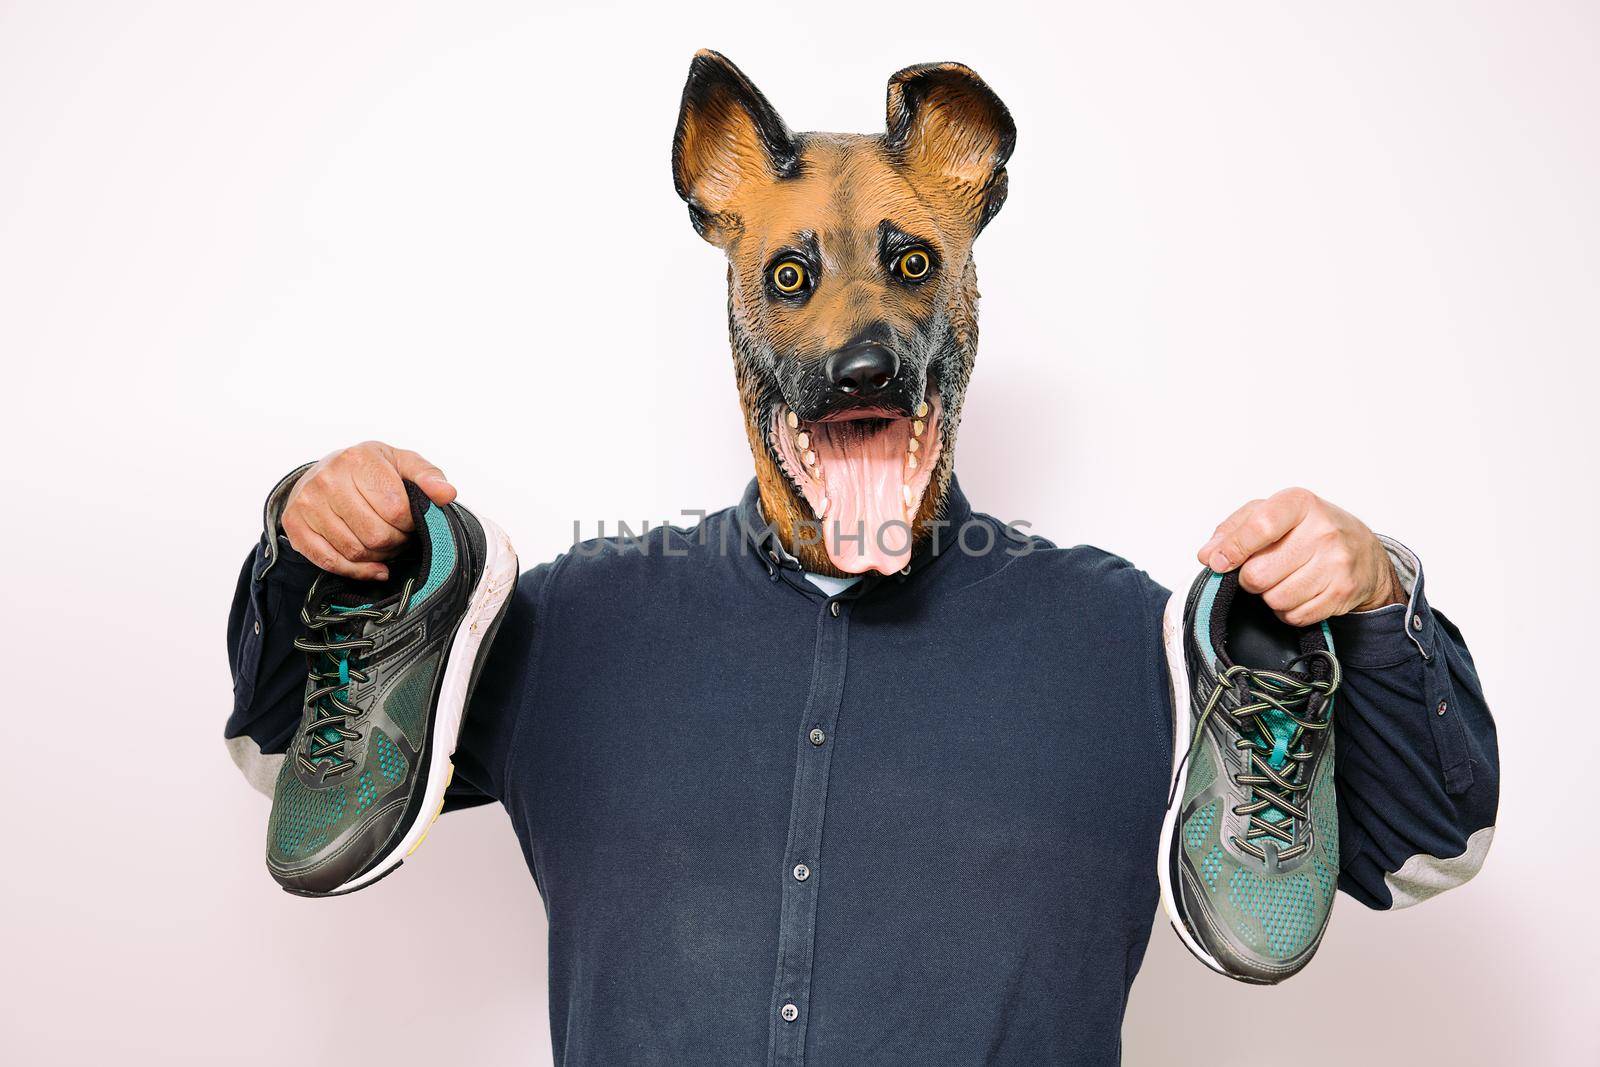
[[865, 463]]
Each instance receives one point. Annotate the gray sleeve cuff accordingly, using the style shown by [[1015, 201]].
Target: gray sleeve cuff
[[272, 514]]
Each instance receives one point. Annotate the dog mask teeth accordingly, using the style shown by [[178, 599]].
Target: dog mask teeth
[[878, 473]]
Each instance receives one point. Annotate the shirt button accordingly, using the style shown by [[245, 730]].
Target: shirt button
[[801, 872], [818, 737], [1416, 622], [1443, 707], [258, 626], [790, 1013], [834, 607]]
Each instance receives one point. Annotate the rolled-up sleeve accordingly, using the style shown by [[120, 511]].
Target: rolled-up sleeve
[[269, 675], [1418, 766]]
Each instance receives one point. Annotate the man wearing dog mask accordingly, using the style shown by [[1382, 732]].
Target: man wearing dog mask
[[851, 772]]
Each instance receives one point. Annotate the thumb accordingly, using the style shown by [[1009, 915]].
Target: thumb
[[429, 479]]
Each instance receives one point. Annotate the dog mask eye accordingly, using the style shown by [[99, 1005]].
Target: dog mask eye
[[914, 265], [789, 277]]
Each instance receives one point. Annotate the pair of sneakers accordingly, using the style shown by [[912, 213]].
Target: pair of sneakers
[[1249, 860], [390, 668]]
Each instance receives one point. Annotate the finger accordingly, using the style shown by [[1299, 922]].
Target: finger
[[428, 478], [1265, 524], [314, 547], [1304, 585], [1324, 605], [1272, 565], [378, 539], [384, 494], [1226, 527], [380, 536], [333, 529]]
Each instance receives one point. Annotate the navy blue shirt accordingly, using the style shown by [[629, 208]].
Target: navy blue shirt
[[916, 822]]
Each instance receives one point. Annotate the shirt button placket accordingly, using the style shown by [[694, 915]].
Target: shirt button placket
[[791, 990]]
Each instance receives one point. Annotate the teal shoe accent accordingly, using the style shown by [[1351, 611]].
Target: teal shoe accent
[[443, 558]]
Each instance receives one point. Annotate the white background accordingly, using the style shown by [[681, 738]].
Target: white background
[[1346, 246]]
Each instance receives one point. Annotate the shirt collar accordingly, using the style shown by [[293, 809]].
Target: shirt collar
[[771, 551]]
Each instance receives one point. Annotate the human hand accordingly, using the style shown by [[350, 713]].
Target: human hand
[[1308, 559], [348, 512]]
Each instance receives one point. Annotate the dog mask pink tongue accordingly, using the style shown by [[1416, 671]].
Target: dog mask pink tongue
[[865, 466]]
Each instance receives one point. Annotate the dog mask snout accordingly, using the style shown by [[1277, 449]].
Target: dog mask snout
[[864, 369]]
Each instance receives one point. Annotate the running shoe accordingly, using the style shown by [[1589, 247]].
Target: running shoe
[[391, 667], [1250, 844]]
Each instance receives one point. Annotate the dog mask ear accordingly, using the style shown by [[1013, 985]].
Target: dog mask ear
[[727, 136], [944, 122]]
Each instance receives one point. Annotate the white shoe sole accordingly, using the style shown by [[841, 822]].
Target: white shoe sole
[[1173, 633]]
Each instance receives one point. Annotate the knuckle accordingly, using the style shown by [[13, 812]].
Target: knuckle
[[346, 544], [394, 508], [1297, 494]]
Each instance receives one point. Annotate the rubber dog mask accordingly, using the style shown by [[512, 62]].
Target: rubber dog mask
[[852, 296]]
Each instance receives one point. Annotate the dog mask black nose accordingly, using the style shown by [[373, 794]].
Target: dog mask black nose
[[862, 369]]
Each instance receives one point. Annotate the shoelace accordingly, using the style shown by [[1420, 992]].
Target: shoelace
[[1274, 788], [332, 671]]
